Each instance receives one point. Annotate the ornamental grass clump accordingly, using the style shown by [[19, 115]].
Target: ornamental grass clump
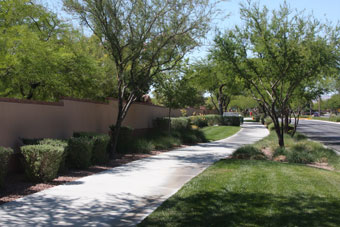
[[41, 161], [5, 154], [249, 153]]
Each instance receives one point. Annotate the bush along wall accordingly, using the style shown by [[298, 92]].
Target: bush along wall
[[124, 139], [100, 146], [42, 161], [177, 123], [100, 149], [79, 152], [199, 121], [5, 154]]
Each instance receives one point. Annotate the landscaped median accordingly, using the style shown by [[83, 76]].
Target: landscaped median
[[333, 118], [260, 185]]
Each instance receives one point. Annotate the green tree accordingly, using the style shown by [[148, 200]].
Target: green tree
[[217, 80], [243, 103], [174, 92], [143, 38], [333, 103], [42, 57], [276, 53]]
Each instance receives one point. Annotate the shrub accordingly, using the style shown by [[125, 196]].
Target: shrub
[[299, 136], [53, 142], [161, 123], [214, 119], [165, 142], [100, 150], [199, 120], [141, 146], [249, 152], [41, 161], [31, 141], [335, 118], [280, 151], [300, 153], [124, 138], [5, 154], [176, 123], [79, 152], [192, 136], [232, 120], [87, 134], [58, 143]]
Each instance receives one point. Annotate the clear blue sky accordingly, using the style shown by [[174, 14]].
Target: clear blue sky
[[322, 9]]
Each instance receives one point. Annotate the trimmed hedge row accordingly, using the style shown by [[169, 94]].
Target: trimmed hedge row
[[98, 145], [5, 154], [200, 121], [43, 158]]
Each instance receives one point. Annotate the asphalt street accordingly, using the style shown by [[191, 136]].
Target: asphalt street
[[327, 133]]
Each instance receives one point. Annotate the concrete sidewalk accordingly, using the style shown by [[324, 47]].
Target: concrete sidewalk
[[125, 195]]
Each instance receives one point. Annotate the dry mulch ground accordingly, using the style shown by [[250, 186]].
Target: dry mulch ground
[[16, 186]]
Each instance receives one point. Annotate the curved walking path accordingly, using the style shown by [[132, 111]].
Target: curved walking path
[[125, 195]]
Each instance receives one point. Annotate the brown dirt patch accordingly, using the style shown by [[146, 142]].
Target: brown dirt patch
[[16, 186], [280, 158], [267, 151], [321, 165]]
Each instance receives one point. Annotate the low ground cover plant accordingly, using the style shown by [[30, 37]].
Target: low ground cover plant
[[250, 153], [5, 154], [41, 161]]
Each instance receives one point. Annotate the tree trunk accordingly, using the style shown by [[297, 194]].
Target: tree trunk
[[115, 136], [286, 121], [281, 140], [169, 119], [122, 111], [221, 99], [220, 105], [226, 103]]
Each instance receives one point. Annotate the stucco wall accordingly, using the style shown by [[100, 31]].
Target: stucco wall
[[32, 119]]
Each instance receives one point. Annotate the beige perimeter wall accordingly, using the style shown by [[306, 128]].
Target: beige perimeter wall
[[34, 119]]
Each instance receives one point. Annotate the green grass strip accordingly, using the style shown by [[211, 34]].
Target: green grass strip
[[213, 133], [254, 193]]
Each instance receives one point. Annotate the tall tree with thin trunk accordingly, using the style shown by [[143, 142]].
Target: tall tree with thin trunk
[[276, 53], [144, 38], [216, 79]]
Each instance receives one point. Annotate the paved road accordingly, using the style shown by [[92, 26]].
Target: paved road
[[327, 133], [125, 195]]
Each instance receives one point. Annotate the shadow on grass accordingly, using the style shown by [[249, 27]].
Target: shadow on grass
[[247, 209], [244, 207]]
